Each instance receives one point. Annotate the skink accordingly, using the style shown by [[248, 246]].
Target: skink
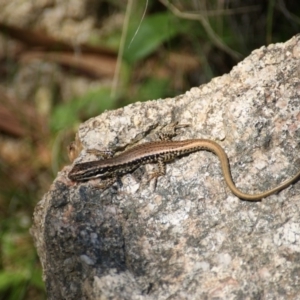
[[161, 152]]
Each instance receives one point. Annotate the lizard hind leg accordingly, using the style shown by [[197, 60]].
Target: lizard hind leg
[[170, 131], [161, 170]]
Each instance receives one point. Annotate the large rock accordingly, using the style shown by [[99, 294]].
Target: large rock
[[189, 237]]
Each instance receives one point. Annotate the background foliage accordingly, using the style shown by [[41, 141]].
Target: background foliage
[[62, 63]]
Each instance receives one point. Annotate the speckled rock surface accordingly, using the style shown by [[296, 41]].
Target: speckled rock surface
[[190, 237]]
